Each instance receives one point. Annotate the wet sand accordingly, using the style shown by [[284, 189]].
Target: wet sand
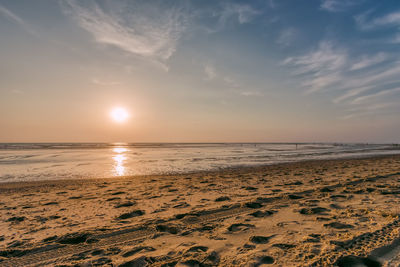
[[316, 213]]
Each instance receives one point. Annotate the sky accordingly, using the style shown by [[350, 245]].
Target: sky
[[200, 71]]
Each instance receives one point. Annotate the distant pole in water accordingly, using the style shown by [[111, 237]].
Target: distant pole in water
[[296, 146]]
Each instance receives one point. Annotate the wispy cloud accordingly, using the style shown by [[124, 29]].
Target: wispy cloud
[[146, 30], [363, 81], [272, 4], [287, 37], [351, 93], [104, 82], [16, 19], [320, 68], [376, 77], [210, 72], [230, 82], [365, 98], [239, 88], [368, 85], [372, 110], [325, 58], [230, 13], [243, 13], [227, 82], [251, 93], [17, 92], [395, 39], [338, 5], [366, 21], [389, 19], [367, 61]]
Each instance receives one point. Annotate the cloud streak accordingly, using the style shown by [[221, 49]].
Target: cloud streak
[[366, 22], [319, 68], [227, 13], [227, 82], [146, 30], [16, 19], [337, 5], [287, 37], [372, 110], [363, 81], [365, 98], [366, 61], [210, 72], [243, 13]]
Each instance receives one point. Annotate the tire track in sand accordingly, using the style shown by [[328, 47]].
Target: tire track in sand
[[133, 235]]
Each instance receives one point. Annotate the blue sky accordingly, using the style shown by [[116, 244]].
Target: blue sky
[[315, 70]]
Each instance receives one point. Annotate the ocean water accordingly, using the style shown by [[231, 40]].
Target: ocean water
[[40, 161]]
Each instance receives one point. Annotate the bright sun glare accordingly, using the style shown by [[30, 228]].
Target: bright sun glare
[[119, 114]]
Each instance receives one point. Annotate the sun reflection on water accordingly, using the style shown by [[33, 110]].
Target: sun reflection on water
[[120, 149], [119, 158]]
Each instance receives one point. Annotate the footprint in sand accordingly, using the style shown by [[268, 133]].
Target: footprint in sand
[[100, 261], [131, 214], [167, 228], [254, 205], [125, 204], [261, 214], [338, 225], [236, 227], [118, 193], [135, 250], [284, 246], [197, 249], [354, 261], [223, 198], [113, 198], [74, 238], [267, 260], [312, 211], [258, 239], [16, 219]]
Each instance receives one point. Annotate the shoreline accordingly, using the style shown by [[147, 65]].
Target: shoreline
[[287, 214], [244, 168]]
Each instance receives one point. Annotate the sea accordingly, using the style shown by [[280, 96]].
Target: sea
[[54, 161]]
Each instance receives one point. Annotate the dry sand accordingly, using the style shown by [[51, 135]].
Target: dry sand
[[318, 213]]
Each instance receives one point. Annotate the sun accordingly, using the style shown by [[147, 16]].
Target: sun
[[119, 114]]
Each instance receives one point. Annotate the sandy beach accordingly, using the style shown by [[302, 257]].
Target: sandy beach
[[315, 213], [200, 133]]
